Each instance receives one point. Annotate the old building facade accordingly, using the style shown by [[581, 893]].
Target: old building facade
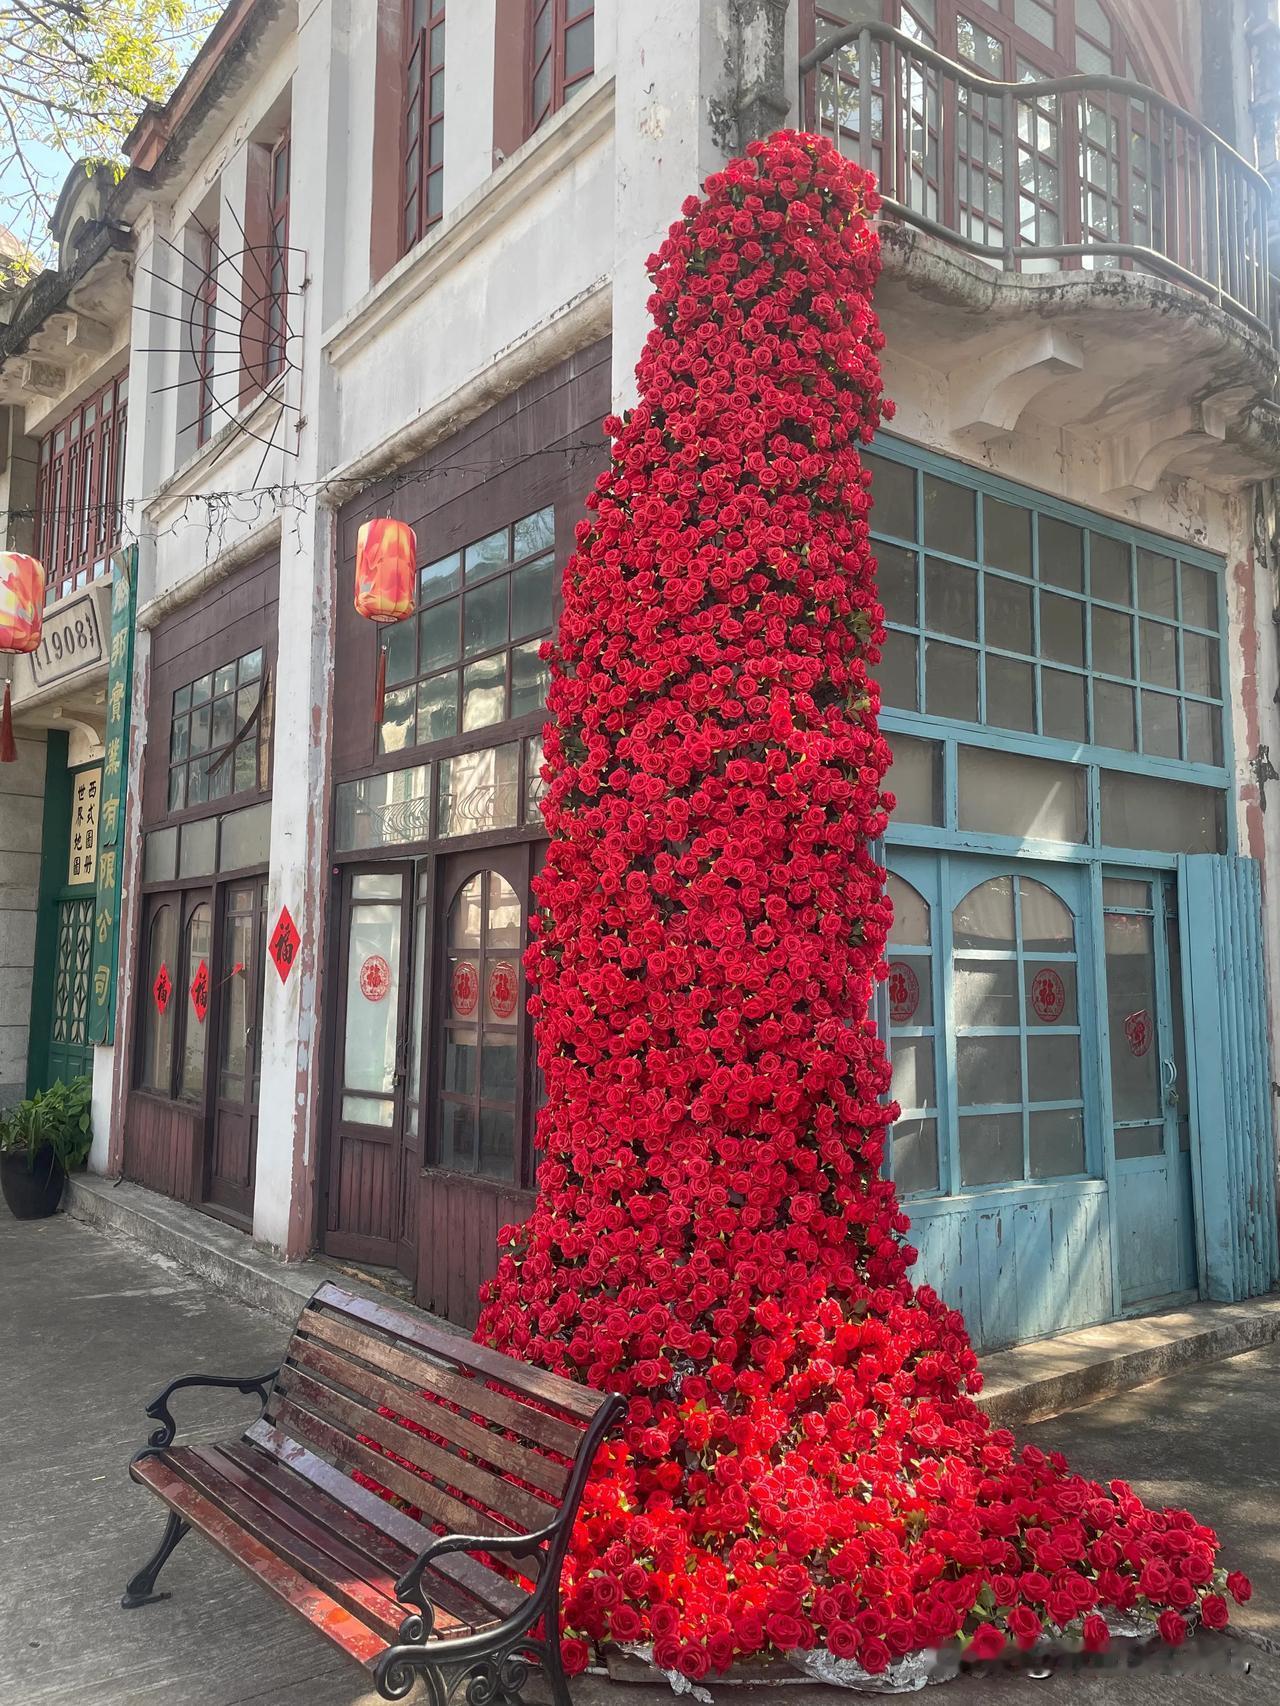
[[387, 259]]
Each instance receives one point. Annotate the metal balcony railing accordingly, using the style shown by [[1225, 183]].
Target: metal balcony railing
[[1068, 173]]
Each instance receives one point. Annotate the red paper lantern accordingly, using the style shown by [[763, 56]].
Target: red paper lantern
[[21, 602], [386, 568]]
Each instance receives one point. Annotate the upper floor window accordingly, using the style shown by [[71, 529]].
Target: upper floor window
[[277, 307], [215, 734], [561, 53], [80, 489], [469, 659], [205, 340], [422, 188], [1007, 615]]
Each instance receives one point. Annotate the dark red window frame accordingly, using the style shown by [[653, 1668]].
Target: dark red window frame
[[561, 37], [206, 313], [278, 259], [79, 489], [422, 121]]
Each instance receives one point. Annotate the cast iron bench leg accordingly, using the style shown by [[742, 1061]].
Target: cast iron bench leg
[[139, 1591]]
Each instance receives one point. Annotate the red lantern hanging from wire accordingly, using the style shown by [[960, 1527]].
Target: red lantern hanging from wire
[[21, 618], [386, 573]]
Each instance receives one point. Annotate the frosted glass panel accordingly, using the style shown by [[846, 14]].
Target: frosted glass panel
[[990, 1148], [984, 918], [913, 1083], [1053, 1068], [910, 928], [986, 993], [1168, 817], [914, 780], [1007, 794], [373, 1001], [1131, 1017], [914, 1157], [1047, 924], [988, 1070], [1057, 1143]]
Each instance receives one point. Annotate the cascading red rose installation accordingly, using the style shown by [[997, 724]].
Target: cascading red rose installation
[[803, 1464]]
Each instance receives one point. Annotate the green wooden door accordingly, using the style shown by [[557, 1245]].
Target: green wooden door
[[70, 1051]]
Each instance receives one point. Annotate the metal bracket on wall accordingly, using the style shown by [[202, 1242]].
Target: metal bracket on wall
[[1263, 771]]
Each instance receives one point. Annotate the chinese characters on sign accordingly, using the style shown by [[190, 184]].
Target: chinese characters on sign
[[200, 991], [465, 986], [283, 946], [1048, 995], [504, 983], [82, 855], [162, 989], [375, 978], [904, 992], [108, 830]]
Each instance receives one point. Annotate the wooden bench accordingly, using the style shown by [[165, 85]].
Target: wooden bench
[[498, 1470]]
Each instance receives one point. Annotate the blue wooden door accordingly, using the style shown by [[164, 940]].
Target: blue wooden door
[[1154, 1216]]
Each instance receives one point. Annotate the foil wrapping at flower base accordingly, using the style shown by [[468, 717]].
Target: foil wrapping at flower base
[[909, 1675]]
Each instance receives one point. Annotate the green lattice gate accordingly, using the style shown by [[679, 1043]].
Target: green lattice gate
[[70, 1051]]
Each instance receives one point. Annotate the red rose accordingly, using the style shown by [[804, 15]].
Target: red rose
[[1213, 1611], [988, 1642], [1239, 1587], [575, 1655], [1024, 1626], [874, 1657], [1172, 1627], [1097, 1637]]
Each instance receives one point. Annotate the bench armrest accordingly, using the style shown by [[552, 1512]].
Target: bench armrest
[[409, 1586], [158, 1409]]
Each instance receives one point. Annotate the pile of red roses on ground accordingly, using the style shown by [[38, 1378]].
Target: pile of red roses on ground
[[802, 1464]]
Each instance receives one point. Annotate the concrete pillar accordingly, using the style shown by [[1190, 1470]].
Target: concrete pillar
[[293, 1069]]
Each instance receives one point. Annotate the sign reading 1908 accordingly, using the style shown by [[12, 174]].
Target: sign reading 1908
[[72, 639]]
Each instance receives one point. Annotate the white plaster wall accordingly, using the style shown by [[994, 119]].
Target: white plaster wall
[[21, 819]]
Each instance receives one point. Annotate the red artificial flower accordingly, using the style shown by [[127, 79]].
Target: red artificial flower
[[1172, 1627], [1213, 1611], [1239, 1587], [988, 1642], [1097, 1636]]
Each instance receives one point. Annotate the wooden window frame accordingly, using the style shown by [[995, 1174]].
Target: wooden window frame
[[276, 306], [79, 489], [565, 15], [230, 750], [206, 339], [422, 118]]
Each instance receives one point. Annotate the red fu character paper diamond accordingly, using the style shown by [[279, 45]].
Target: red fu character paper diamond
[[283, 946], [200, 991], [162, 989]]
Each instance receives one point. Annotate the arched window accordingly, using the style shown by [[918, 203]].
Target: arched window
[[197, 993], [159, 1001], [1016, 1019], [913, 1040], [482, 1012]]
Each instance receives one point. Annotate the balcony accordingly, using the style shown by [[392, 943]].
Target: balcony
[[1079, 247]]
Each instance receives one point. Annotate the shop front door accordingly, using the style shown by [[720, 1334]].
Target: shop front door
[[1154, 1213], [70, 1051], [232, 1151], [372, 1162]]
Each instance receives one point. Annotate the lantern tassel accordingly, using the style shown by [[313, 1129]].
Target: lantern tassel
[[8, 746], [380, 692]]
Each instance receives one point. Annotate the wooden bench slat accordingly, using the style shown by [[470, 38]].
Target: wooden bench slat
[[349, 1454], [299, 1594], [537, 1427], [491, 1590], [451, 1476], [522, 1509], [335, 1568], [533, 1383]]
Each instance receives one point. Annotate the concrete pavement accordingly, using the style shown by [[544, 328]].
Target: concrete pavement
[[92, 1329]]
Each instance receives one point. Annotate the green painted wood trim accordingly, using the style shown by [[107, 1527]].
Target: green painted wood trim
[[55, 831]]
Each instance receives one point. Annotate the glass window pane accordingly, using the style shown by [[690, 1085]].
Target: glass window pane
[[1199, 597], [915, 1156], [1010, 694], [897, 584], [1157, 585], [437, 708], [910, 926], [250, 666], [1112, 642], [1061, 553], [399, 720], [197, 782], [162, 966], [478, 791], [1131, 1016], [893, 489], [484, 618], [380, 811], [990, 1148], [531, 592], [1126, 892], [497, 1143], [1160, 733], [578, 49], [484, 692], [1114, 716], [1006, 536], [196, 975], [988, 1070], [1157, 654], [460, 1050], [1109, 561], [1007, 794], [898, 684], [444, 575], [951, 684], [201, 721], [498, 1066], [369, 1050], [986, 994], [177, 789], [487, 554], [1200, 665], [1165, 817], [1062, 705], [534, 787], [950, 599], [1057, 1143], [224, 678], [984, 918], [201, 690], [1008, 615], [1062, 629], [1204, 733], [182, 700], [1134, 1143], [913, 1086], [466, 915], [198, 848], [458, 1136], [222, 723], [402, 661], [536, 532], [530, 679], [1053, 1067], [910, 990], [505, 913], [1047, 924], [949, 517], [914, 779], [245, 838], [1050, 992]]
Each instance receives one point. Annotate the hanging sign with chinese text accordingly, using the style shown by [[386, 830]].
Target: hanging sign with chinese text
[[112, 792], [284, 943], [82, 852]]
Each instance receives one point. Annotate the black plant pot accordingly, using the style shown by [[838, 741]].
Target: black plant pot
[[34, 1192]]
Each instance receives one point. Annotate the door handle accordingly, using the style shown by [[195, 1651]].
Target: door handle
[[1169, 1079]]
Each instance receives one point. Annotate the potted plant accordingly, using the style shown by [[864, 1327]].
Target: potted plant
[[41, 1141]]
